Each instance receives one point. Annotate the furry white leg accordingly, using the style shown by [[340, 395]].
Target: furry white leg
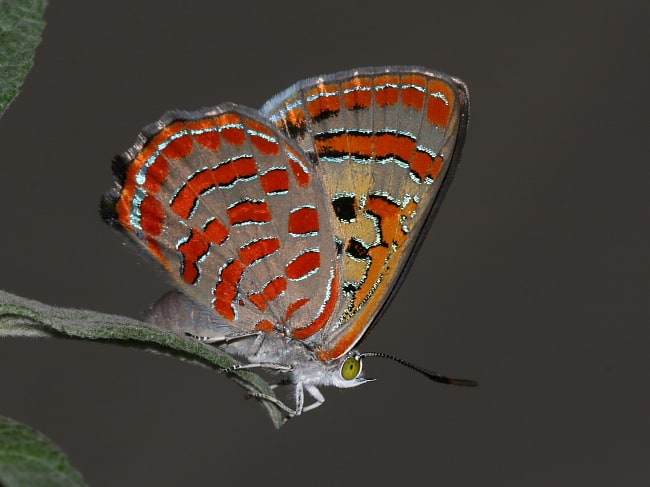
[[300, 398], [318, 398]]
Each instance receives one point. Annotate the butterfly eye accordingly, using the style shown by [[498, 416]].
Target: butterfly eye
[[351, 368]]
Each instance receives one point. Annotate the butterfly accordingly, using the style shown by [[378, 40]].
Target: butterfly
[[289, 229]]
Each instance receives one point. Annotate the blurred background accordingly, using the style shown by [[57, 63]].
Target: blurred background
[[534, 278]]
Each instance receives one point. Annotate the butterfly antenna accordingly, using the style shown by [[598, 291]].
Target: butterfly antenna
[[434, 376]]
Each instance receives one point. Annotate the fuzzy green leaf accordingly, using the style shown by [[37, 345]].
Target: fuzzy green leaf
[[29, 459], [21, 25], [28, 318]]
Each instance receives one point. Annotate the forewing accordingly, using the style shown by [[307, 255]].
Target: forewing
[[234, 213], [386, 142]]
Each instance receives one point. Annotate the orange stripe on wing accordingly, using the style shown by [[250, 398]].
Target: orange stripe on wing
[[226, 290], [328, 311], [200, 124], [224, 175], [438, 111], [295, 306], [248, 211], [209, 140], [424, 166], [394, 145], [275, 288], [209, 136], [298, 168], [275, 181], [242, 168], [232, 135], [152, 215], [412, 96], [186, 198], [156, 175], [195, 247], [303, 221], [179, 147], [326, 103], [366, 145], [258, 250], [266, 145], [359, 93], [264, 325], [163, 136], [386, 95], [216, 231], [270, 292], [258, 300], [303, 265]]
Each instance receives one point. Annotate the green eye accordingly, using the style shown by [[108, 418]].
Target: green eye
[[351, 368]]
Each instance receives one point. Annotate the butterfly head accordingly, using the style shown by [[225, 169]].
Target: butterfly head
[[344, 372], [349, 371]]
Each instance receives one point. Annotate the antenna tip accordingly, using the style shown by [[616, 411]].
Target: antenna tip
[[463, 382]]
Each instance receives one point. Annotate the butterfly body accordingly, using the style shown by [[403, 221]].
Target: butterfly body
[[289, 229]]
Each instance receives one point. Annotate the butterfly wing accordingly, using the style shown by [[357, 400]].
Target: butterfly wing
[[233, 212], [386, 142]]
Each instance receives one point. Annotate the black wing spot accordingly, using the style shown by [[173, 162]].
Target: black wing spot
[[345, 208], [350, 288], [356, 249]]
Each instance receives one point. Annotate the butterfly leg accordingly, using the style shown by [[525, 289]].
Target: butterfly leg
[[222, 340], [259, 365], [290, 412], [299, 398], [318, 398]]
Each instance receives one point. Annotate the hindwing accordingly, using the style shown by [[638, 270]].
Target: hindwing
[[235, 213]]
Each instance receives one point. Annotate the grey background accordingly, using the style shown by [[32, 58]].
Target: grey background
[[533, 279]]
